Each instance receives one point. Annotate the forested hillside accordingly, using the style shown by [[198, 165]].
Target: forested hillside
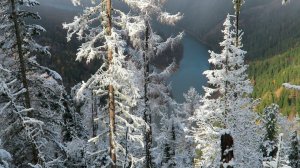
[[268, 75], [269, 27], [124, 113]]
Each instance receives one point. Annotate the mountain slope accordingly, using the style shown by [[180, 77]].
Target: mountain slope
[[269, 27], [268, 75]]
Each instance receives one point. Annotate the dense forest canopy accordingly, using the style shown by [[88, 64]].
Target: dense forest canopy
[[88, 83]]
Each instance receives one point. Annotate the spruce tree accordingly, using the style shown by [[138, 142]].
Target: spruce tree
[[41, 87], [269, 145], [113, 82], [151, 45], [226, 114]]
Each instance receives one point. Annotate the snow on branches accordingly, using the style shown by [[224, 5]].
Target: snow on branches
[[100, 39], [226, 109], [284, 2]]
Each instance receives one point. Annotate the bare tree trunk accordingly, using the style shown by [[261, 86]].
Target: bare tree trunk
[[21, 55], [147, 115], [238, 4], [94, 114], [237, 28], [226, 139], [19, 40], [126, 149], [111, 96]]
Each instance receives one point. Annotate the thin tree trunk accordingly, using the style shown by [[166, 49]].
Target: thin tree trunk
[[226, 139], [173, 144], [126, 149], [237, 28], [94, 114], [111, 96], [21, 55], [147, 115], [19, 40], [278, 152], [238, 4]]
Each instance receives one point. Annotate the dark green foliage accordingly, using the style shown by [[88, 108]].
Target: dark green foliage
[[169, 151], [269, 74], [294, 156], [269, 146]]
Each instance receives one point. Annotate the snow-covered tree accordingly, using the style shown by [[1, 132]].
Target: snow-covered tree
[[280, 160], [191, 103], [153, 83], [5, 158], [285, 155], [151, 45], [269, 145], [40, 133], [227, 133], [174, 148], [284, 2], [17, 128], [294, 154], [18, 36], [114, 81], [42, 90]]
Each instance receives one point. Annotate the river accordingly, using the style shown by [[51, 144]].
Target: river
[[191, 67]]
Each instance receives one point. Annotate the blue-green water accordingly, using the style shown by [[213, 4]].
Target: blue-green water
[[189, 74]]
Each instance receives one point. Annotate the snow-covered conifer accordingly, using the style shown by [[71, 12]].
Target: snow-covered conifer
[[42, 131], [150, 45], [18, 36], [284, 144], [114, 81], [294, 154], [281, 159], [192, 102], [5, 158], [170, 136], [40, 86], [227, 133], [269, 145]]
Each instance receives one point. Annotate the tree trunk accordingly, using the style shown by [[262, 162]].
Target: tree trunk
[[21, 55], [226, 149], [111, 96], [238, 4], [19, 40], [237, 28], [94, 114], [147, 115]]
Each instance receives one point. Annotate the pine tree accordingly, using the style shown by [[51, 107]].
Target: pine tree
[[159, 104], [114, 81], [151, 47], [271, 125], [192, 102], [22, 132], [5, 158], [171, 149], [226, 114], [43, 106]]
